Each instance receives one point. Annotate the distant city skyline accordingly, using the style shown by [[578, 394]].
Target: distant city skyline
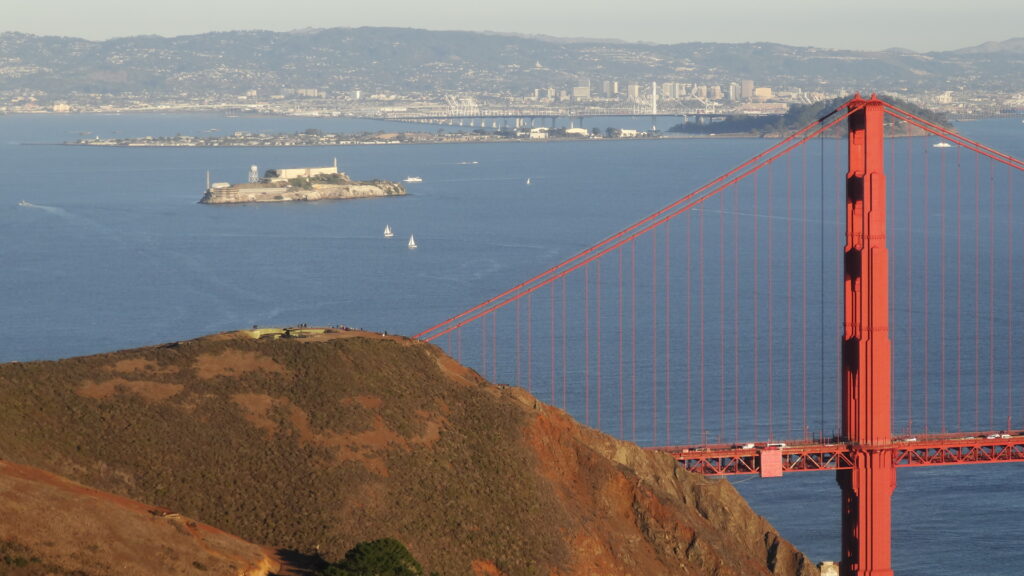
[[919, 25]]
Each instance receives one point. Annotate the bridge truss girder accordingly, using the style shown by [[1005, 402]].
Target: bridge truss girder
[[725, 461]]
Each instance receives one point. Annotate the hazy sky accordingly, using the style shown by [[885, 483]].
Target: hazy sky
[[920, 25]]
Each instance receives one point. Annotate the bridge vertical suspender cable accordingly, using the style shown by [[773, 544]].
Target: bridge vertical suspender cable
[[1008, 308], [668, 333], [977, 295], [910, 287]]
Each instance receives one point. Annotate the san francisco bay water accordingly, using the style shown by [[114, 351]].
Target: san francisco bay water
[[112, 251]]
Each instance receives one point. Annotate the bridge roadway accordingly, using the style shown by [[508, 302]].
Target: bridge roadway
[[774, 459]]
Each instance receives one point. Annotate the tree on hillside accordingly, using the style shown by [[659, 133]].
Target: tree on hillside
[[384, 557]]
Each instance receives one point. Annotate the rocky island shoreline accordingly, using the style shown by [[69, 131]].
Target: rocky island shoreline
[[298, 184]]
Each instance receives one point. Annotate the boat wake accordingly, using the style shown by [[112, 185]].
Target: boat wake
[[51, 209]]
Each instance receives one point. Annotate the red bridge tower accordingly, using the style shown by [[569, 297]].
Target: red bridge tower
[[866, 353]]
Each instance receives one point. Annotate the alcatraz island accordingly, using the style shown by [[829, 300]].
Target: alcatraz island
[[297, 184]]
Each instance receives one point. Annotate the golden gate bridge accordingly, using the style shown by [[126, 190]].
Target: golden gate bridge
[[843, 301]]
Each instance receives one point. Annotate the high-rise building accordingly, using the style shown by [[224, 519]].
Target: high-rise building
[[580, 93], [633, 92], [747, 89], [715, 92], [734, 91]]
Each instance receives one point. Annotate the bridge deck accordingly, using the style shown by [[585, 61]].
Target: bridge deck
[[719, 460]]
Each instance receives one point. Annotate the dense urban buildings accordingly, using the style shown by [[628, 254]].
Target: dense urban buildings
[[396, 73]]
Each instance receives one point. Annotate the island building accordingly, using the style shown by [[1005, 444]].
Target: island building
[[289, 173]]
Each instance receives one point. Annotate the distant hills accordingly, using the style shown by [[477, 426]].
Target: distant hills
[[319, 443], [1013, 46], [420, 62]]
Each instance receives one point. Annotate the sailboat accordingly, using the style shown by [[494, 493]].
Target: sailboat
[[412, 242], [387, 231], [527, 181]]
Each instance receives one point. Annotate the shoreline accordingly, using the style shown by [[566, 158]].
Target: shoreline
[[665, 137], [477, 140]]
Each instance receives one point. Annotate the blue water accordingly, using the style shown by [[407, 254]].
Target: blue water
[[114, 252]]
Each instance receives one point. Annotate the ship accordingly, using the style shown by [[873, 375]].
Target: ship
[[297, 184]]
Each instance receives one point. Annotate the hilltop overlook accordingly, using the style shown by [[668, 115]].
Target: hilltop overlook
[[314, 444]]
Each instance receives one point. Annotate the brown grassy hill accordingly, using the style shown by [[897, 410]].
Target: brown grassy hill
[[320, 443], [51, 526]]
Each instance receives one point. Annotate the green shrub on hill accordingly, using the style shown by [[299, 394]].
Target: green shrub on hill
[[384, 557]]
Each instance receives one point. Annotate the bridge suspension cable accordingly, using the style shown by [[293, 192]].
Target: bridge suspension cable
[[703, 323]]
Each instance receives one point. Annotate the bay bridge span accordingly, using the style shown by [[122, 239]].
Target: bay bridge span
[[520, 117], [845, 301]]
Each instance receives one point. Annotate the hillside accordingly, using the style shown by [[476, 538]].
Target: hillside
[[51, 526], [316, 444]]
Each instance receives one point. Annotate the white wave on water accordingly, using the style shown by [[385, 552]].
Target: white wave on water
[[51, 209]]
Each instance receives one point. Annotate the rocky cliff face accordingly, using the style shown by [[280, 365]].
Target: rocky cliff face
[[652, 517], [319, 443]]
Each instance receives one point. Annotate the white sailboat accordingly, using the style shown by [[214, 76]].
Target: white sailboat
[[412, 242], [527, 181], [387, 231]]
